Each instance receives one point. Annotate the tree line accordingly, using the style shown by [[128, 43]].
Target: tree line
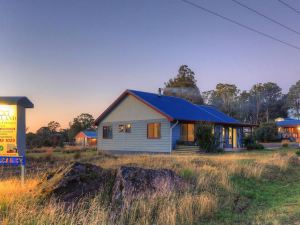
[[52, 135], [261, 104]]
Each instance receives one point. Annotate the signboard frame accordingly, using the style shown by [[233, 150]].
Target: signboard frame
[[17, 158]]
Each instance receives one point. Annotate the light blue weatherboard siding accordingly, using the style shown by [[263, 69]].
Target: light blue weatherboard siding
[[175, 135], [136, 140]]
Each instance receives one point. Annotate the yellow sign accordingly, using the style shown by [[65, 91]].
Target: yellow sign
[[8, 130]]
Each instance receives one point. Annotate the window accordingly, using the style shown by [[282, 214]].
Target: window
[[153, 130], [121, 128], [125, 128], [128, 128], [107, 132]]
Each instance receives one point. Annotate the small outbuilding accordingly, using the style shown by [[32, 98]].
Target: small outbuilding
[[86, 138], [288, 128]]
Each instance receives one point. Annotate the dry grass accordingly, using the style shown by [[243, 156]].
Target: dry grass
[[209, 174]]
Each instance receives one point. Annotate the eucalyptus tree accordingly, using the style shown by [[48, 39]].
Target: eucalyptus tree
[[293, 99], [184, 85]]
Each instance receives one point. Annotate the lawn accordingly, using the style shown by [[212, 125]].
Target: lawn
[[257, 187]]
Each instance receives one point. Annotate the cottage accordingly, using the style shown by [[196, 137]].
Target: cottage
[[86, 138], [288, 128], [145, 122]]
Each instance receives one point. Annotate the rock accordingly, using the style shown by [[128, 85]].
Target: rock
[[137, 183], [120, 187], [75, 181]]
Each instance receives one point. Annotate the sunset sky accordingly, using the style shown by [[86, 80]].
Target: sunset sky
[[70, 57]]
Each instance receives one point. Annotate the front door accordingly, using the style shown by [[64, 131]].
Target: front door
[[188, 132], [234, 136]]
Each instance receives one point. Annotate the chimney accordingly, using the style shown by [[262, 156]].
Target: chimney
[[159, 91]]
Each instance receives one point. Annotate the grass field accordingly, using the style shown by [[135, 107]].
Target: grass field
[[257, 187]]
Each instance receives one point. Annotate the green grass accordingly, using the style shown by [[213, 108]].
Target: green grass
[[274, 201]]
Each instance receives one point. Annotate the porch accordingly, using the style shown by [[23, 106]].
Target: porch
[[229, 136]]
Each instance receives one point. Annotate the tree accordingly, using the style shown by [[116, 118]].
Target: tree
[[266, 99], [224, 97], [271, 95], [184, 85], [44, 136], [53, 126], [266, 132], [256, 93], [244, 107], [82, 122], [293, 99]]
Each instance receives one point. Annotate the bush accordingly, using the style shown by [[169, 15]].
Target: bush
[[206, 139], [285, 145], [266, 132], [255, 146], [248, 140], [297, 152]]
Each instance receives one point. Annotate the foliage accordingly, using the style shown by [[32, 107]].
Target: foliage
[[285, 145], [266, 132], [184, 85], [255, 146], [206, 139], [293, 99], [53, 126], [262, 103], [297, 152], [248, 140], [264, 96], [82, 122], [224, 97]]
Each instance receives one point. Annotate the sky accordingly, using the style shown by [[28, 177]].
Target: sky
[[73, 57]]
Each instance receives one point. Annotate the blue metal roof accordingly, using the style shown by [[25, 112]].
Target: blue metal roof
[[181, 109], [90, 134], [287, 122]]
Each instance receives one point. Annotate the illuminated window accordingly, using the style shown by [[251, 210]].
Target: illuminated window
[[107, 132], [230, 135], [125, 128], [128, 128], [153, 130]]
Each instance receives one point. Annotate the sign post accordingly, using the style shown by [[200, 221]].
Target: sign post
[[13, 131]]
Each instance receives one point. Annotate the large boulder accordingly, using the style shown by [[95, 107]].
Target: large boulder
[[120, 187], [139, 183], [75, 181]]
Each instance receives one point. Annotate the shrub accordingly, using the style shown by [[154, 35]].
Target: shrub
[[285, 145], [266, 132], [297, 152], [255, 146], [206, 139], [248, 140]]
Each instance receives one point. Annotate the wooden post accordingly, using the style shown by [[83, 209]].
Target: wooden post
[[22, 174]]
